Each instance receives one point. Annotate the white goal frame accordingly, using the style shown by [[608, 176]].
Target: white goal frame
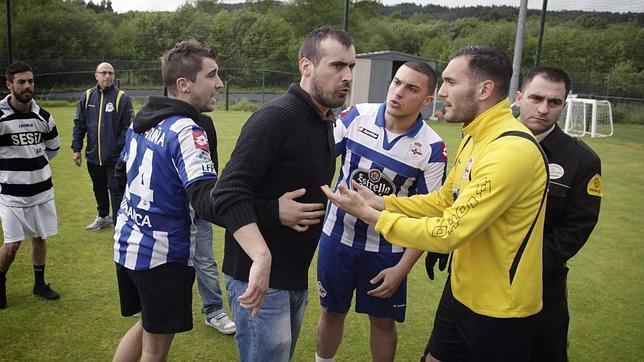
[[574, 119]]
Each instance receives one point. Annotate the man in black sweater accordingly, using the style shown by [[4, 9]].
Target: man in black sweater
[[286, 145]]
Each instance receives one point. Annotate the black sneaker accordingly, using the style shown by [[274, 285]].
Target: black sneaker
[[45, 291]]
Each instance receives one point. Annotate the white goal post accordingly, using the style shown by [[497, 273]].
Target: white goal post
[[583, 116]]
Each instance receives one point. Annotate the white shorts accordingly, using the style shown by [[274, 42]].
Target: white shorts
[[22, 223]]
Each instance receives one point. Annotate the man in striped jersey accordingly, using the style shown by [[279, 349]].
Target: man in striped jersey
[[389, 149], [28, 140], [170, 175]]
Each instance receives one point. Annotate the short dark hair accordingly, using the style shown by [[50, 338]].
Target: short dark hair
[[552, 74], [424, 68], [184, 60], [487, 62], [15, 68], [310, 48]]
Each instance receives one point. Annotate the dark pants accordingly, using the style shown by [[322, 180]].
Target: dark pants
[[102, 181], [551, 343]]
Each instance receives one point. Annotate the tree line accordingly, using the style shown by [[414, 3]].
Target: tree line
[[603, 51]]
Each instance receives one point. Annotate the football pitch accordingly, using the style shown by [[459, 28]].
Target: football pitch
[[85, 324]]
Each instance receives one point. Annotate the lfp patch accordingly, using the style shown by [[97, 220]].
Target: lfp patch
[[594, 187]]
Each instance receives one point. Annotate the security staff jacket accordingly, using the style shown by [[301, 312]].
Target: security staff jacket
[[103, 115], [488, 212], [574, 199]]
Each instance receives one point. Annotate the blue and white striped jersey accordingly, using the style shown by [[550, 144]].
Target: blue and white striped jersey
[[387, 163], [27, 142], [155, 224]]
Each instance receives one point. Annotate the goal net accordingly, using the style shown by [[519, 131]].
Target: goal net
[[587, 117]]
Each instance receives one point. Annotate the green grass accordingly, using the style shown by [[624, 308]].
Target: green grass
[[605, 282]]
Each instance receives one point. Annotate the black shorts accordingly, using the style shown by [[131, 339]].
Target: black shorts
[[459, 334], [162, 294]]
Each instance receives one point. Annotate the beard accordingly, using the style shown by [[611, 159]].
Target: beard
[[329, 98], [24, 97], [467, 109]]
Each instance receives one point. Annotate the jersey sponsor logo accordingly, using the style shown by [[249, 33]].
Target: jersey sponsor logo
[[594, 187], [155, 136], [141, 220], [109, 107], [415, 150], [200, 139], [369, 133], [26, 138], [321, 290], [556, 171], [26, 125], [374, 180]]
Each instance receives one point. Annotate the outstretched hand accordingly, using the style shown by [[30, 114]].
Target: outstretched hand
[[353, 203], [297, 215], [430, 262]]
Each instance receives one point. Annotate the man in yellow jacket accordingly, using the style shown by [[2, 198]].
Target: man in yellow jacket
[[489, 212]]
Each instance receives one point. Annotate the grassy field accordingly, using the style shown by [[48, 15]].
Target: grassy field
[[605, 282]]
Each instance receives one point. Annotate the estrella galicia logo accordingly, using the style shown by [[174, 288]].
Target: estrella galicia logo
[[369, 133], [375, 181]]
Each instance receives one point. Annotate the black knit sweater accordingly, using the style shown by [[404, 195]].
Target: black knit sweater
[[286, 145]]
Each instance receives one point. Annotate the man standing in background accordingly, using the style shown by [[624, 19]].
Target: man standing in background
[[103, 114], [574, 197], [28, 141]]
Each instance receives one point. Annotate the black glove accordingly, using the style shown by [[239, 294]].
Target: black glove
[[430, 261]]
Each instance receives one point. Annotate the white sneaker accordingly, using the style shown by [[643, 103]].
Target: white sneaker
[[222, 323], [99, 223]]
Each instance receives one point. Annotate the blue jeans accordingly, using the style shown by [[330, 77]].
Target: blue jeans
[[206, 269], [272, 334]]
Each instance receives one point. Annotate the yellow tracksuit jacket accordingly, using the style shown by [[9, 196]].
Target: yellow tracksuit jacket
[[483, 213]]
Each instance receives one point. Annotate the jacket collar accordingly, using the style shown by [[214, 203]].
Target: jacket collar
[[554, 141]]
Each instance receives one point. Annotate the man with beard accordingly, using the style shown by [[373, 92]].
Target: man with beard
[[489, 213], [103, 115], [286, 145], [28, 140], [389, 148], [574, 197]]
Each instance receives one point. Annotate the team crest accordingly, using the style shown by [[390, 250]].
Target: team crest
[[415, 150], [321, 290], [109, 107], [375, 181], [200, 139]]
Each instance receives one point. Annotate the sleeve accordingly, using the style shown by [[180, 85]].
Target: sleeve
[[258, 147], [340, 129], [490, 192], [434, 173], [51, 139], [579, 218], [191, 156], [125, 119], [80, 125]]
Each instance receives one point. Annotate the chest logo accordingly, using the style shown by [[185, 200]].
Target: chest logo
[[369, 133], [594, 187], [375, 181], [556, 171], [109, 107], [415, 150]]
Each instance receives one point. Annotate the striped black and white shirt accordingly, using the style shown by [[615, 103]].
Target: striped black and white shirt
[[27, 142]]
